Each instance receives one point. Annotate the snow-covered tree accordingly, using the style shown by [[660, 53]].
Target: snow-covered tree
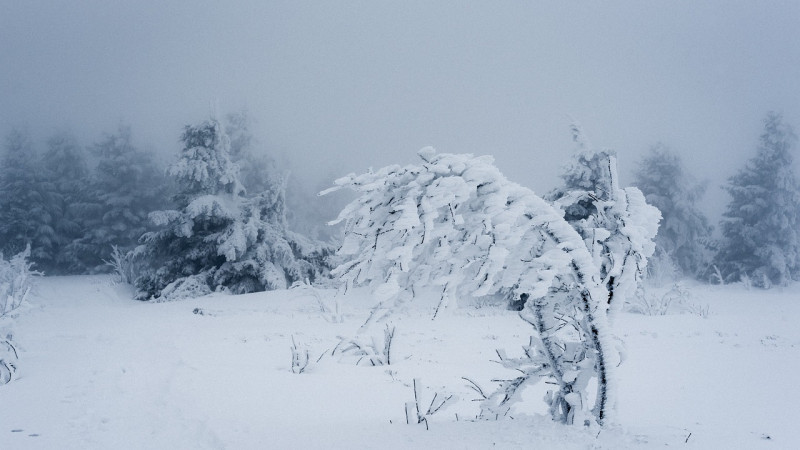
[[218, 238], [257, 170], [616, 224], [126, 186], [66, 170], [25, 199], [684, 236], [761, 225], [455, 223]]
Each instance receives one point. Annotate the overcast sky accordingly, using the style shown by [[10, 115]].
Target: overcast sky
[[351, 84]]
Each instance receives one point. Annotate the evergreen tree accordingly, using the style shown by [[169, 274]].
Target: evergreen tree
[[257, 171], [125, 188], [684, 235], [25, 199], [306, 213], [218, 238], [67, 173], [762, 221]]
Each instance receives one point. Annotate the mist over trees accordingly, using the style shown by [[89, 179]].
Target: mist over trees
[[761, 225], [684, 241], [72, 208], [25, 199], [218, 221], [125, 187], [75, 204]]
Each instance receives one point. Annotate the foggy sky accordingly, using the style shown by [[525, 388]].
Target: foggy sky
[[342, 86]]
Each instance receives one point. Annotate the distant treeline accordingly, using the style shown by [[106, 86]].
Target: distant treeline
[[80, 207]]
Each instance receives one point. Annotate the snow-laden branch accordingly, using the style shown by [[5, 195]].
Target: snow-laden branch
[[455, 222]]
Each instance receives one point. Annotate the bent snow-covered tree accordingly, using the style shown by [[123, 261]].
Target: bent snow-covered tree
[[219, 238], [616, 224], [456, 223]]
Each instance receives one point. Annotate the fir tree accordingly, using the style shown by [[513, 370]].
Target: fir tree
[[684, 237], [25, 202], [125, 188], [257, 171], [762, 221], [66, 171], [218, 238]]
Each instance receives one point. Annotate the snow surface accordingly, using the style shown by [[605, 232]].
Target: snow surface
[[99, 370]]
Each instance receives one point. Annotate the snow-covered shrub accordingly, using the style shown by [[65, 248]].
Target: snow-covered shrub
[[125, 267], [660, 302], [328, 307], [616, 224], [455, 223], [761, 225], [372, 352], [16, 282], [219, 236]]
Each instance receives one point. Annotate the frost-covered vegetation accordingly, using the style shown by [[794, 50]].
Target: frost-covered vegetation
[[218, 237], [76, 204], [451, 228], [16, 282], [761, 226], [684, 242], [102, 371], [455, 223]]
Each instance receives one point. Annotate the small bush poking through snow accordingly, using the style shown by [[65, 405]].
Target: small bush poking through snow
[[416, 411], [300, 357], [8, 358], [373, 352], [658, 302], [125, 267], [328, 308]]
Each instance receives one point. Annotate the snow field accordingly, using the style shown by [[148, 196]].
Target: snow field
[[99, 370]]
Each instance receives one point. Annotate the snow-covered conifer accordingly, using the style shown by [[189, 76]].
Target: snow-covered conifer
[[257, 170], [218, 238], [66, 171], [125, 187], [25, 199], [684, 236], [761, 226]]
